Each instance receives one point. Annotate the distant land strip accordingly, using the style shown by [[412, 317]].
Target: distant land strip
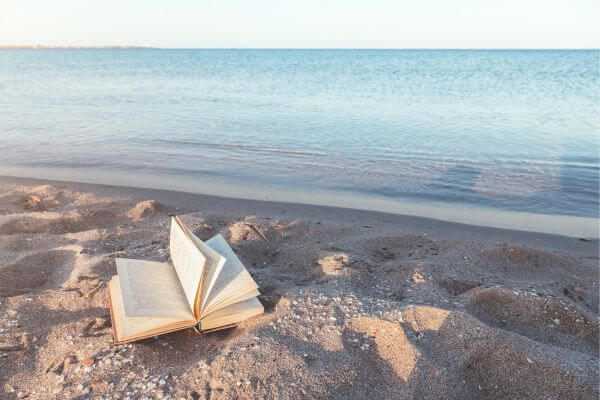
[[37, 46]]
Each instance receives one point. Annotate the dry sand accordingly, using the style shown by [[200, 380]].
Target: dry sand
[[358, 304]]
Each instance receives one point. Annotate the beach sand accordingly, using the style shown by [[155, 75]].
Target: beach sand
[[359, 304]]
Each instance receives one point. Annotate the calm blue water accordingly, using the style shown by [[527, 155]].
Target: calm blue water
[[511, 130]]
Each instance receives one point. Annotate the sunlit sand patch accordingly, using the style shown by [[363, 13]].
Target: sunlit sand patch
[[143, 209], [292, 229], [417, 277], [57, 223], [391, 342], [331, 263], [32, 203], [425, 318], [245, 230]]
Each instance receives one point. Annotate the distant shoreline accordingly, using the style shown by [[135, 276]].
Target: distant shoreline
[[46, 47], [42, 47]]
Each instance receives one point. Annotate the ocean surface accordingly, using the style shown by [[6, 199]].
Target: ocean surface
[[513, 131]]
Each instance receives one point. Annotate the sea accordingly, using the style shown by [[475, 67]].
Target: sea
[[501, 132]]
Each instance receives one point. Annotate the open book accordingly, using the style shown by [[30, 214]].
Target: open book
[[207, 288]]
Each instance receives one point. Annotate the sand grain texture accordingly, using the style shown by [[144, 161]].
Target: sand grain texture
[[355, 308]]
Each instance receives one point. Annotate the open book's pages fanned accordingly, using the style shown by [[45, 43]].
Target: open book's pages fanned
[[206, 287]]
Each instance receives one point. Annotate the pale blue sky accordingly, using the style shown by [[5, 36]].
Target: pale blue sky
[[306, 23]]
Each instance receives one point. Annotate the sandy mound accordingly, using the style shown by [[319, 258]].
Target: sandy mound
[[45, 191], [35, 271], [59, 223], [31, 203], [144, 209], [477, 360], [332, 263], [39, 198], [543, 320]]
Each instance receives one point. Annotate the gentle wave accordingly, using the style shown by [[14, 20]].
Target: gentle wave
[[240, 147]]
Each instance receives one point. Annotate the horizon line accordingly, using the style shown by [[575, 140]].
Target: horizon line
[[132, 47]]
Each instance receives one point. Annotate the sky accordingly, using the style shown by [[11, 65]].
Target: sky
[[303, 23]]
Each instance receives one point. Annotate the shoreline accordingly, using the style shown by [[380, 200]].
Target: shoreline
[[468, 214], [414, 224]]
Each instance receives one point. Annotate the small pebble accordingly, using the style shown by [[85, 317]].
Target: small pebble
[[88, 362]]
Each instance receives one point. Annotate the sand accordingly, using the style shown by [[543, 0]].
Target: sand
[[359, 304]]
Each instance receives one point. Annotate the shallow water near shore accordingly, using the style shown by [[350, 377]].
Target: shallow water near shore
[[511, 131], [175, 188]]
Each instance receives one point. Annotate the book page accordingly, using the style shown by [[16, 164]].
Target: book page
[[212, 267], [133, 328], [187, 260], [151, 289], [232, 314], [241, 295], [233, 277]]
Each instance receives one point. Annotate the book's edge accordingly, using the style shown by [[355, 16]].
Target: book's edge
[[218, 306], [220, 328], [262, 311], [135, 339], [112, 317]]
